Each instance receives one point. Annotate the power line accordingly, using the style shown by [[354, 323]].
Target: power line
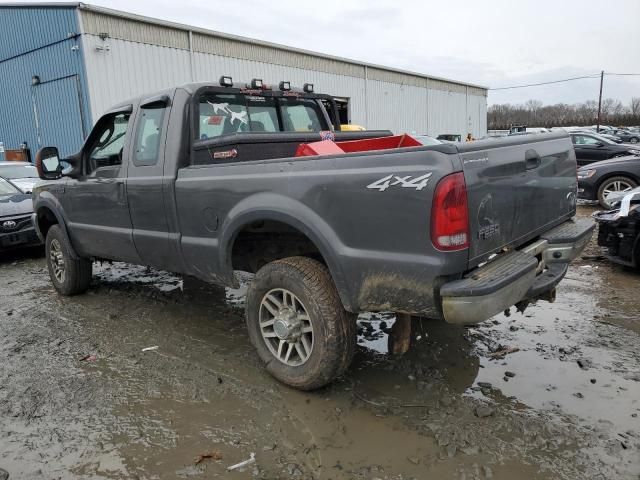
[[595, 75], [624, 74]]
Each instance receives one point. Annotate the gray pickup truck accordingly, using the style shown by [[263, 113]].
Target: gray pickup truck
[[209, 179]]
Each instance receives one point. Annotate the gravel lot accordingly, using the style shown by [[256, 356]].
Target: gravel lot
[[80, 399]]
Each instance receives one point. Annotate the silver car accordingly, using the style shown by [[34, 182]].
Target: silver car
[[22, 174]]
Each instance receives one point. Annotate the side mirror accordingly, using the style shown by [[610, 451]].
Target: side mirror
[[599, 144], [48, 163]]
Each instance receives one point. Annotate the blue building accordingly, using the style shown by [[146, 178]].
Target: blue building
[[43, 99], [62, 65]]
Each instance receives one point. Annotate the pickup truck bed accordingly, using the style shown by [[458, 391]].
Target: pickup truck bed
[[454, 232]]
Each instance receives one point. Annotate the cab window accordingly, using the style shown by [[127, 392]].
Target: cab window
[[108, 142], [222, 114], [301, 115], [147, 146], [263, 115]]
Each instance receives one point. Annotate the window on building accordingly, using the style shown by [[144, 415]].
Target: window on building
[[147, 146]]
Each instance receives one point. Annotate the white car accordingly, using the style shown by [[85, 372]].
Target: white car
[[22, 174]]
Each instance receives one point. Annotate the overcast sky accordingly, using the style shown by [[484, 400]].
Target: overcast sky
[[488, 42]]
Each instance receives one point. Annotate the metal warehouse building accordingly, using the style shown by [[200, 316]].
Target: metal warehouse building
[[62, 65]]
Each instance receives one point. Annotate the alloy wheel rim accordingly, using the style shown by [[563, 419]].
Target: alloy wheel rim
[[286, 327], [617, 186], [57, 260]]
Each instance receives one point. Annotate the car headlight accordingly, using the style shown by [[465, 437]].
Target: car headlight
[[586, 173], [634, 151]]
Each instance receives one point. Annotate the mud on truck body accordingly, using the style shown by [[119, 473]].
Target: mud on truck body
[[208, 179]]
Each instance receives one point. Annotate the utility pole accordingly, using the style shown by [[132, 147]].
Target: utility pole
[[600, 100]]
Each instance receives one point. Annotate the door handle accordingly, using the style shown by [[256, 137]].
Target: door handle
[[532, 159], [122, 199]]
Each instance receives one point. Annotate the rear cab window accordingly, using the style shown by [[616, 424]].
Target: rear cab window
[[301, 115], [222, 114], [228, 113]]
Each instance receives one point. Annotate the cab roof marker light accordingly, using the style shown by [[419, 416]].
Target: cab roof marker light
[[285, 86], [226, 81], [257, 83], [308, 87]]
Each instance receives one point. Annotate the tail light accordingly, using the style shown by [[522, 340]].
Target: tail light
[[450, 214]]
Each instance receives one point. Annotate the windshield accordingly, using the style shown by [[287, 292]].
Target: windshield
[[18, 171], [6, 188]]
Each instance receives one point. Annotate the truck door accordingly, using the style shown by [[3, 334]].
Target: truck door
[[147, 184], [100, 225]]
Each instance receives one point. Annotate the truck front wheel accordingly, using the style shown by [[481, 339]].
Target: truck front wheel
[[69, 275], [297, 323]]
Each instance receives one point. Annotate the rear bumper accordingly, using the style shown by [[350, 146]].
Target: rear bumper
[[526, 274]]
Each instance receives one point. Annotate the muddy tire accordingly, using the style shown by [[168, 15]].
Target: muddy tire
[[297, 323], [614, 184], [69, 276]]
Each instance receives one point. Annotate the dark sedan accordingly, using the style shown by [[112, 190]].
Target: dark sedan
[[598, 180], [16, 228], [591, 147], [628, 136]]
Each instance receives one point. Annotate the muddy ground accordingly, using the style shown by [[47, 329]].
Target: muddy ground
[[80, 399]]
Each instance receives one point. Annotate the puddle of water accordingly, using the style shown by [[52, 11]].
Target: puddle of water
[[568, 361]]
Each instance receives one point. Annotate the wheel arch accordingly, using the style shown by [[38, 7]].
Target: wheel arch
[[270, 207], [48, 212]]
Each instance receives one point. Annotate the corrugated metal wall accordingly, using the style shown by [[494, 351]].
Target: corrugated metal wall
[[42, 42], [130, 68], [146, 56]]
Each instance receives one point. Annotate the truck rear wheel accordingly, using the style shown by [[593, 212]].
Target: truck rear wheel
[[297, 323], [69, 276]]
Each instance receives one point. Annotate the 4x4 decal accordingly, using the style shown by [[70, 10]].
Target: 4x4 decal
[[405, 182]]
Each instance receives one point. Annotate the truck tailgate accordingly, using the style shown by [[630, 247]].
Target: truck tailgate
[[517, 188]]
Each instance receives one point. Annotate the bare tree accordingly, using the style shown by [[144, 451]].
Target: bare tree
[[534, 114]]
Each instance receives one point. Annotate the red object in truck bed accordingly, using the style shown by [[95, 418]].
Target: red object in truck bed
[[327, 147]]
